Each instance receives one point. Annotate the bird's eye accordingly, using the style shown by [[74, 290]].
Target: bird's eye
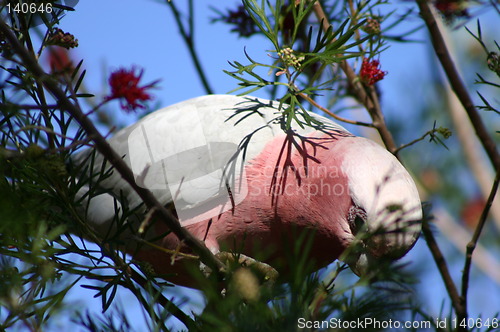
[[356, 218]]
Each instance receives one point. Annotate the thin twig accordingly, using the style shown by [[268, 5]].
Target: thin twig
[[44, 129], [108, 152], [333, 115], [459, 236], [171, 252], [475, 237], [188, 39], [456, 299], [404, 146], [457, 83], [354, 21]]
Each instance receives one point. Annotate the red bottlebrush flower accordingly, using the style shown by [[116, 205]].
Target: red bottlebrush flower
[[471, 211], [59, 60], [370, 72], [125, 86], [451, 9]]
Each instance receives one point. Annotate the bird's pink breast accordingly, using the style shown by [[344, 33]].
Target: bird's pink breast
[[295, 184]]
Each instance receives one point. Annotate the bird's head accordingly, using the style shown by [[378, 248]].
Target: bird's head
[[385, 216]]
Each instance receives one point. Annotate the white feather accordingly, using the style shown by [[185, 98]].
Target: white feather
[[170, 150]]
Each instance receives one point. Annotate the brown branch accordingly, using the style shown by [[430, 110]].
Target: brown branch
[[107, 151], [354, 21], [457, 83], [370, 100], [456, 300], [473, 153], [333, 115], [367, 96], [489, 145], [404, 146], [475, 237]]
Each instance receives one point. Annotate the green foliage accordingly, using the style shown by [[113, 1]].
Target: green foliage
[[318, 49]]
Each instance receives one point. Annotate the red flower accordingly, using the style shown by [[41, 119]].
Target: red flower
[[452, 8], [59, 60], [125, 85], [370, 72], [472, 210]]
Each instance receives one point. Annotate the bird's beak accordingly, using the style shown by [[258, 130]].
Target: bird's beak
[[358, 258], [368, 255], [360, 264]]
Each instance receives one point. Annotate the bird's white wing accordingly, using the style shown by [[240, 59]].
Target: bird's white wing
[[192, 153]]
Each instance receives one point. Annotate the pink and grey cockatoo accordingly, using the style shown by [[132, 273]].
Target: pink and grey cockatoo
[[239, 181]]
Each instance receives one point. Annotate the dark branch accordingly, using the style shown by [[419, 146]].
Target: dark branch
[[456, 300], [475, 237], [333, 115], [456, 82]]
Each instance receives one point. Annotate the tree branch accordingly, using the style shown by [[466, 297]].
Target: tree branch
[[456, 299], [459, 236], [473, 153], [370, 101], [475, 237], [416, 140], [333, 115], [456, 82]]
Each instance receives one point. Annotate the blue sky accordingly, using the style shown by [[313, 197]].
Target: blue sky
[[123, 33]]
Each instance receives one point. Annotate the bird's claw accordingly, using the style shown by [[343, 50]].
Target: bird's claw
[[264, 271]]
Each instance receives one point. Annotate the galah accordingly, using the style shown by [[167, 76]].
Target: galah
[[239, 180]]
